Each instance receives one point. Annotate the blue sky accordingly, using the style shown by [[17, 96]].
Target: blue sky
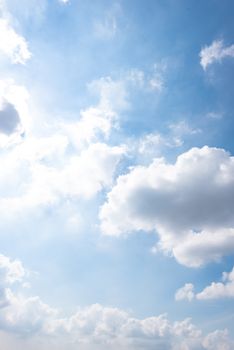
[[117, 174]]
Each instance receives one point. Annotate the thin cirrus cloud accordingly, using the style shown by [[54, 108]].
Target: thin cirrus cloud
[[92, 327], [188, 203], [216, 52], [216, 290]]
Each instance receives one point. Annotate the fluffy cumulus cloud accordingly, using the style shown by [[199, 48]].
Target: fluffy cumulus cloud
[[12, 44], [19, 314], [92, 327], [98, 327], [112, 93], [216, 52], [116, 328], [216, 290], [189, 204], [219, 290], [217, 340]]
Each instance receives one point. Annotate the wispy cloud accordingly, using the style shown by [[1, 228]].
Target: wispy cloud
[[107, 27], [216, 52]]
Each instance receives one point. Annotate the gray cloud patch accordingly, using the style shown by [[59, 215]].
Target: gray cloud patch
[[9, 119]]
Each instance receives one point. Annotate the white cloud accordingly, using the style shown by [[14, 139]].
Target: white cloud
[[10, 270], [150, 81], [219, 290], [183, 128], [206, 246], [83, 176], [186, 292], [94, 123], [25, 316], [155, 144], [71, 161], [218, 340], [112, 94], [97, 122], [136, 77], [92, 327], [12, 44], [18, 313], [189, 204], [98, 327], [216, 290], [216, 52], [152, 145]]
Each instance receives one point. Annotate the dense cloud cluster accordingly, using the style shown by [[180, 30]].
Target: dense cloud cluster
[[189, 204], [94, 326]]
